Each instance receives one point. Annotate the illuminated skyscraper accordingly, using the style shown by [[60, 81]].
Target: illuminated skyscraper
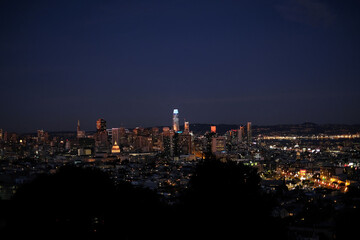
[[186, 127], [176, 120], [101, 125], [249, 136]]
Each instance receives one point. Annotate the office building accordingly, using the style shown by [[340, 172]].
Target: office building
[[42, 136], [185, 144], [249, 136], [186, 127], [101, 136], [218, 144], [115, 135], [86, 146], [100, 125], [213, 129], [240, 134], [167, 140], [176, 120]]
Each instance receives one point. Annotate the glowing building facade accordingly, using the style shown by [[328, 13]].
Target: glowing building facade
[[213, 129], [101, 125], [176, 127], [115, 148], [186, 127]]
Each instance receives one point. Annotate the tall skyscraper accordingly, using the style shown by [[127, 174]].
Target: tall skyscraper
[[249, 135], [240, 134], [101, 136], [101, 125], [176, 120], [80, 134], [167, 139]]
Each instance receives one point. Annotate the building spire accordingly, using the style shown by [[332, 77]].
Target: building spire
[[78, 125], [79, 133]]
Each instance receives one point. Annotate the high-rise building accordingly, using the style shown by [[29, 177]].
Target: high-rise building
[[67, 145], [218, 144], [176, 120], [185, 144], [101, 125], [167, 139], [157, 143], [213, 129], [1, 134], [240, 133], [116, 134], [186, 127], [42, 136], [249, 135], [175, 145], [101, 136], [79, 133], [123, 136]]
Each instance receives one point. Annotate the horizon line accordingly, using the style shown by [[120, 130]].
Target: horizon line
[[253, 125]]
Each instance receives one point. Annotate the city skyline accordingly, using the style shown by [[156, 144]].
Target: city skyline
[[174, 123], [220, 62], [101, 125]]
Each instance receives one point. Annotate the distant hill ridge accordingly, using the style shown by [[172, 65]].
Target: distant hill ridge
[[303, 128]]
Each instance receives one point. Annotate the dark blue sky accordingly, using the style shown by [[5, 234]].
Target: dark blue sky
[[132, 62]]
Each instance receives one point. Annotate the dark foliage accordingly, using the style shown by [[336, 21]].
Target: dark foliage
[[223, 201], [82, 202]]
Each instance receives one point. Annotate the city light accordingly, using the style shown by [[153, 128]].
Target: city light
[[164, 159]]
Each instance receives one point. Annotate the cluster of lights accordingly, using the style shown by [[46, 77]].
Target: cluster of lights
[[317, 150], [341, 136]]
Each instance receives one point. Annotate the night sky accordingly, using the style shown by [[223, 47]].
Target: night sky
[[132, 62]]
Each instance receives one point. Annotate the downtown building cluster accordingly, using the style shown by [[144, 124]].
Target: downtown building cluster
[[171, 142]]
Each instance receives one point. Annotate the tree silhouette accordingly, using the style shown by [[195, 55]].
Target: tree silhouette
[[224, 201], [82, 202]]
